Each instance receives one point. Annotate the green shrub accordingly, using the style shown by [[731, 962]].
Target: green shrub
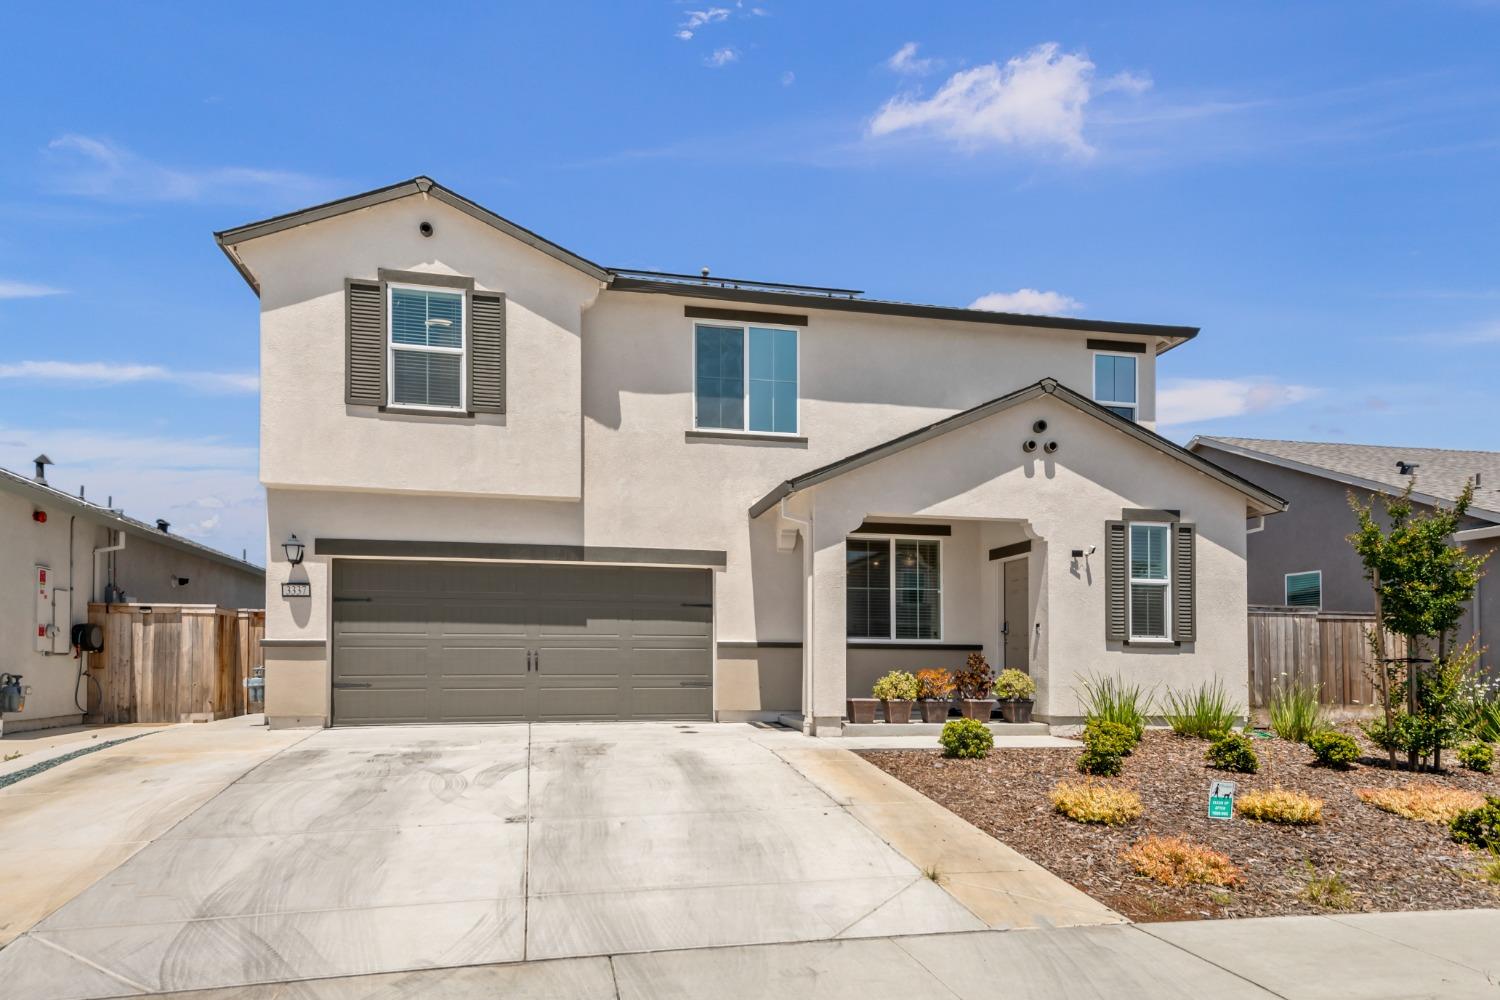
[[1097, 762], [1478, 828], [1112, 700], [1013, 684], [1233, 752], [1296, 713], [1477, 756], [966, 739], [1109, 737], [1334, 749], [1205, 713], [898, 685]]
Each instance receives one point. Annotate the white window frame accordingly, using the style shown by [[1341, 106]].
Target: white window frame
[[744, 329], [1286, 581], [1132, 580], [891, 541], [1135, 407], [391, 347]]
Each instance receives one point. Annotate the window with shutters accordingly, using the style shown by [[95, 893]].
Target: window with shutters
[[1115, 383], [744, 378], [894, 589], [426, 368], [1150, 590], [1305, 590]]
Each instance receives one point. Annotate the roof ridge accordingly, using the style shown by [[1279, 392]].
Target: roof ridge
[[1352, 444]]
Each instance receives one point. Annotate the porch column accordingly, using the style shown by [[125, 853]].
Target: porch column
[[825, 648]]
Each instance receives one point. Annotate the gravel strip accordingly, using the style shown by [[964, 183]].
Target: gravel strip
[[47, 765], [1388, 863]]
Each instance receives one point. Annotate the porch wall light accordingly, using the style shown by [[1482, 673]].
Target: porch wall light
[[294, 550]]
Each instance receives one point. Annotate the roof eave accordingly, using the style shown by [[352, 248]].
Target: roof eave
[[1262, 501]]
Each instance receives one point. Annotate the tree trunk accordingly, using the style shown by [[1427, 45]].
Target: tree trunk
[[1413, 703], [1384, 667]]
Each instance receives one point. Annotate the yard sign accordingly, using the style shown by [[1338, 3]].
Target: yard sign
[[1221, 800]]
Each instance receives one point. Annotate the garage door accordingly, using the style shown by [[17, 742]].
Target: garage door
[[512, 642]]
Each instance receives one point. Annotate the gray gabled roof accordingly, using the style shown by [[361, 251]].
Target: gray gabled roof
[[231, 238], [1441, 472], [631, 280], [43, 493], [1046, 387]]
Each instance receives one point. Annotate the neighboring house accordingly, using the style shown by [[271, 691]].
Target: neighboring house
[[60, 552], [532, 487], [1304, 558]]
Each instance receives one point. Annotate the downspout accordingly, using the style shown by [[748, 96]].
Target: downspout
[[805, 524]]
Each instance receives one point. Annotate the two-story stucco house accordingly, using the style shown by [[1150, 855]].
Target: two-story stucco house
[[533, 487]]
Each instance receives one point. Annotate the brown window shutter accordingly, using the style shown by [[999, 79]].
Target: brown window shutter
[[487, 352], [1184, 582], [364, 343], [1116, 542]]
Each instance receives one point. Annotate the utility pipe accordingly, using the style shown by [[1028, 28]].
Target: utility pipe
[[100, 551]]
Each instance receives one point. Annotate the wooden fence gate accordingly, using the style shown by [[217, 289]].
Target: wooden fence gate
[[1315, 648], [172, 662]]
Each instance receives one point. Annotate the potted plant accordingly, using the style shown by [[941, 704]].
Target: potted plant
[[861, 710], [896, 691], [934, 691], [975, 684], [1015, 690]]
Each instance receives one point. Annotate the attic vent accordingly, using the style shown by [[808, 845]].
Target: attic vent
[[162, 525], [1406, 468]]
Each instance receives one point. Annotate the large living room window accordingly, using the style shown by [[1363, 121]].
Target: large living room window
[[426, 347], [894, 589], [1150, 581], [745, 378], [1115, 383]]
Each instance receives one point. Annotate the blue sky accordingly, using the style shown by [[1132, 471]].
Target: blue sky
[[1314, 185]]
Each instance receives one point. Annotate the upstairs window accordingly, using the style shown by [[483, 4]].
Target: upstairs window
[[1305, 590], [1115, 383], [745, 378], [894, 588], [426, 348], [1150, 581]]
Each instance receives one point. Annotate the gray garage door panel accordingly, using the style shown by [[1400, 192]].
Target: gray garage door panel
[[498, 642]]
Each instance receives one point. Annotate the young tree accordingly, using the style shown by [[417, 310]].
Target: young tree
[[1422, 580]]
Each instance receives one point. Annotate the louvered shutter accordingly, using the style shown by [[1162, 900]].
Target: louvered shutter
[[364, 343], [1115, 581], [487, 352], [1184, 583]]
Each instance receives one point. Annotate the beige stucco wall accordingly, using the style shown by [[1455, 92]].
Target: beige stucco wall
[[310, 437], [1066, 499]]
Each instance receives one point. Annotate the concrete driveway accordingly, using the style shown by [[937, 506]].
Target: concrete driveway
[[361, 851]]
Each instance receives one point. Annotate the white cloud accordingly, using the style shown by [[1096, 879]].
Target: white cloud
[[1189, 401], [206, 486], [721, 57], [25, 290], [788, 78], [698, 18], [1130, 83], [1030, 301], [1035, 100], [905, 61], [97, 168], [107, 373]]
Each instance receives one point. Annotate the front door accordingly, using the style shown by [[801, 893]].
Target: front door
[[1013, 614]]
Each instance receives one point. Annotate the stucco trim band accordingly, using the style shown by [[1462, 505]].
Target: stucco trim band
[[517, 552]]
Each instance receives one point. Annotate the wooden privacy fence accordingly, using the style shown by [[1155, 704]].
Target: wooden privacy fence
[[172, 662], [1315, 648]]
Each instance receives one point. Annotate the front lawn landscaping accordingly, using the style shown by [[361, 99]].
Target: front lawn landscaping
[[1359, 857]]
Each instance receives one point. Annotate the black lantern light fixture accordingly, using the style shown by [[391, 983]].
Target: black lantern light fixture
[[293, 549]]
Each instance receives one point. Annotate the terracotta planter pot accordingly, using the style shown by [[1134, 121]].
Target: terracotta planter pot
[[862, 710], [977, 708], [1016, 710], [934, 711], [898, 712]]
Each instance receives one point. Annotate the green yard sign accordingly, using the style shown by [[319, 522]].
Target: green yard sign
[[1221, 800]]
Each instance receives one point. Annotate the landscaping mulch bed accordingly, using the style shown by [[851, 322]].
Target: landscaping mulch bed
[[1387, 862]]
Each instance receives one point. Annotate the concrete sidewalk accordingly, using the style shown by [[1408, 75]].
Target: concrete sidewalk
[[1449, 954]]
